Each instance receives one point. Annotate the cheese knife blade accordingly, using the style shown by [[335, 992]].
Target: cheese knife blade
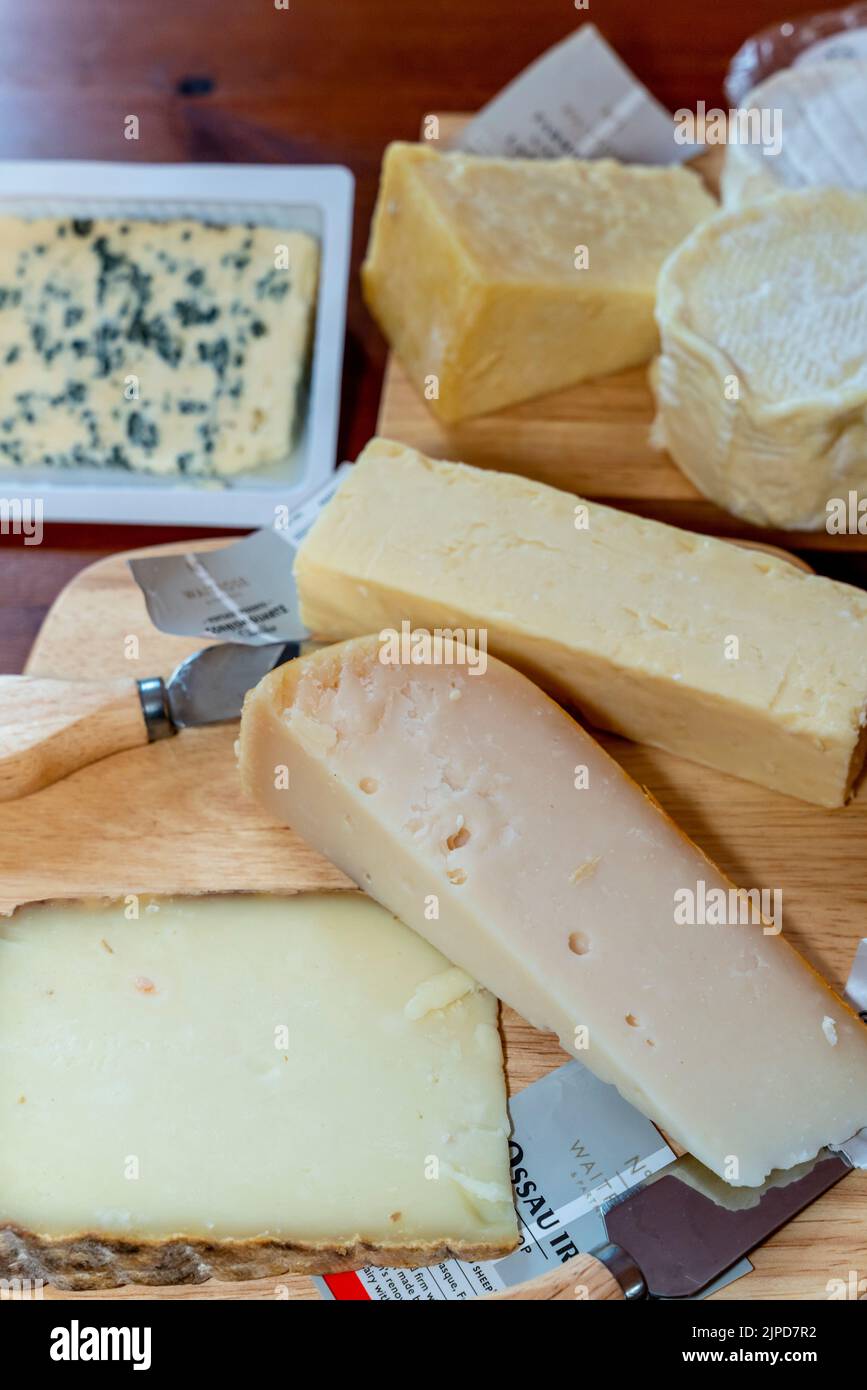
[[667, 1239], [209, 686]]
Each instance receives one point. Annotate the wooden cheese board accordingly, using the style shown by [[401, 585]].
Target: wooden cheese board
[[170, 818], [592, 439]]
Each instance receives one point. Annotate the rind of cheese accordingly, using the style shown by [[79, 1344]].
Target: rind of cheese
[[471, 269], [177, 348], [821, 113], [629, 620], [761, 386], [233, 1086], [715, 1032]]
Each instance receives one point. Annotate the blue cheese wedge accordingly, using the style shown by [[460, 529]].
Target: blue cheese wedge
[[176, 348]]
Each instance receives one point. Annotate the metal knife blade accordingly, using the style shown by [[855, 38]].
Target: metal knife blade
[[209, 687], [680, 1239]]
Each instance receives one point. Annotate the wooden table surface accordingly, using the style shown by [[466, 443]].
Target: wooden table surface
[[320, 81]]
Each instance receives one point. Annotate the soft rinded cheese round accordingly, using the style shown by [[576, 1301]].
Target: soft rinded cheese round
[[822, 110], [761, 386]]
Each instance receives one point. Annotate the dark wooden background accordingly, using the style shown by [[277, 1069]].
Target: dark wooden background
[[323, 81]]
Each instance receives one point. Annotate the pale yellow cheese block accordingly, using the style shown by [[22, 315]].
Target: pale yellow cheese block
[[500, 279], [239, 1086], [474, 808], [730, 657]]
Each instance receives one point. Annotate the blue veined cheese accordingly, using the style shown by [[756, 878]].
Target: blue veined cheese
[[160, 347]]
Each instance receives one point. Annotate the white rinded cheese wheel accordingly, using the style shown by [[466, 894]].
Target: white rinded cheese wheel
[[761, 386]]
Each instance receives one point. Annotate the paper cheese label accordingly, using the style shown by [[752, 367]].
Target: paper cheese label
[[856, 986], [243, 592], [855, 1149], [578, 100]]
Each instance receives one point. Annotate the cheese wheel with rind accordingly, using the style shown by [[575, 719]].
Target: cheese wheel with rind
[[761, 384]]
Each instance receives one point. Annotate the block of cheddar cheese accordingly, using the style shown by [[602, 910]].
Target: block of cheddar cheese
[[500, 279], [481, 814], [242, 1085], [728, 656]]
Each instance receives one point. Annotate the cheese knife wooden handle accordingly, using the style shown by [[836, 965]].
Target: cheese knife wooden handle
[[581, 1279], [49, 728]]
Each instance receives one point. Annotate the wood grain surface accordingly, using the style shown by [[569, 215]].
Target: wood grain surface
[[594, 440], [582, 1278], [323, 81], [171, 818]]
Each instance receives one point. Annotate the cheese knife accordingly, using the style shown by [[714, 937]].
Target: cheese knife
[[670, 1239], [50, 728]]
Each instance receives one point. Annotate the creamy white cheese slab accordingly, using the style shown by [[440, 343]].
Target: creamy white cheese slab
[[304, 1071]]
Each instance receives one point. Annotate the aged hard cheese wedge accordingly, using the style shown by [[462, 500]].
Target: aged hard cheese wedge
[[452, 799], [210, 325], [820, 112], [240, 1086], [500, 279], [727, 656], [761, 388]]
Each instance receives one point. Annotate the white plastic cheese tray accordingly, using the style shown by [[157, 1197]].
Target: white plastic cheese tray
[[315, 198]]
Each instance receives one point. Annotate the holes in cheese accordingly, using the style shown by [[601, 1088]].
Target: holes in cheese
[[239, 1086], [738, 1066], [460, 838]]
